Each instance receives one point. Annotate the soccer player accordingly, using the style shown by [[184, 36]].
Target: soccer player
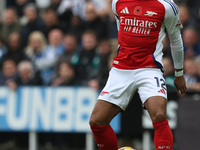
[[142, 25]]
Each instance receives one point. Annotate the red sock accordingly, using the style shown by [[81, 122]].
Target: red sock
[[163, 138], [105, 137]]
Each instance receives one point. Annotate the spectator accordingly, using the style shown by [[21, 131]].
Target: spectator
[[65, 5], [43, 4], [168, 65], [9, 71], [94, 22], [10, 23], [20, 5], [10, 3], [64, 13], [75, 27], [55, 4], [50, 55], [166, 47], [3, 51], [35, 23], [51, 20], [184, 15], [71, 47], [26, 76], [193, 6], [197, 63], [63, 8], [35, 48], [196, 85], [169, 73], [190, 73], [13, 3], [191, 45], [15, 50], [79, 8], [65, 75], [69, 22], [87, 61], [104, 50]]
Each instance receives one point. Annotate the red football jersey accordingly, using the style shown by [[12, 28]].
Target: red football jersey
[[142, 26]]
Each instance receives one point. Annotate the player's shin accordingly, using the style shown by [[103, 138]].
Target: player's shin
[[163, 138], [105, 137]]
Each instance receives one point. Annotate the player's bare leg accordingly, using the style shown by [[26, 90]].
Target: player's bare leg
[[100, 118], [103, 113], [156, 107]]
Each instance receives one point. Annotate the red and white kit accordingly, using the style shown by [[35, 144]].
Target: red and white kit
[[142, 26]]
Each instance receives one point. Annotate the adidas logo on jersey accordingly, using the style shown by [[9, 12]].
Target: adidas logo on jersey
[[125, 11]]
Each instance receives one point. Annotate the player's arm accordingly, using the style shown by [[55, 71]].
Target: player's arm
[[173, 26]]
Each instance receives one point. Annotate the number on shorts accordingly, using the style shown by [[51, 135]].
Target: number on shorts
[[160, 83]]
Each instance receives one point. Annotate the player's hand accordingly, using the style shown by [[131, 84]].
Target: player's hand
[[180, 84]]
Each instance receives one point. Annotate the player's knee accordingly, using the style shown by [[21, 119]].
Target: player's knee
[[159, 117], [95, 122], [92, 121]]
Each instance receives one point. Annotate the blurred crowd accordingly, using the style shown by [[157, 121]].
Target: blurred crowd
[[72, 43], [56, 43]]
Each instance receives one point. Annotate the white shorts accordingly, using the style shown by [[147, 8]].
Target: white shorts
[[122, 84]]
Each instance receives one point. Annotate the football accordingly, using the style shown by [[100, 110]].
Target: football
[[126, 148]]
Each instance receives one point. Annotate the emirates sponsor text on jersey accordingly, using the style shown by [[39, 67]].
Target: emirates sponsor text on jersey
[[137, 26]]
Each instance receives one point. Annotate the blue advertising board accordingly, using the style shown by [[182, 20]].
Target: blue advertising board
[[48, 109]]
